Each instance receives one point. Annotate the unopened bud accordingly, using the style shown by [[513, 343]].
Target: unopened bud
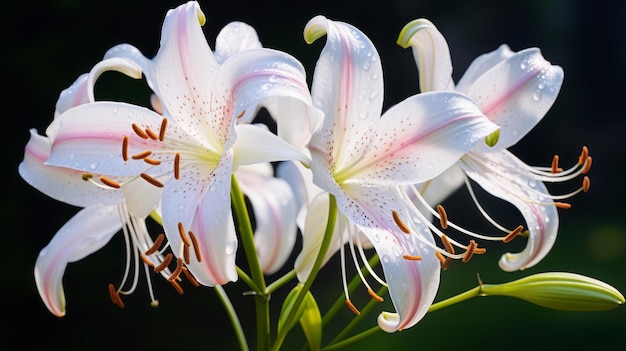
[[559, 291]]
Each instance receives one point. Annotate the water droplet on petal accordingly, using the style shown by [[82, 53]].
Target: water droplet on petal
[[231, 247]]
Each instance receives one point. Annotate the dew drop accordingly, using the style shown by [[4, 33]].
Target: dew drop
[[266, 86], [523, 65], [94, 165], [537, 95], [231, 247]]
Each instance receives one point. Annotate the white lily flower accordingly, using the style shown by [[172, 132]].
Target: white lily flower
[[514, 90], [192, 152], [362, 158], [104, 209]]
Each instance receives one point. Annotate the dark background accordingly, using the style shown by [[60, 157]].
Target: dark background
[[48, 44]]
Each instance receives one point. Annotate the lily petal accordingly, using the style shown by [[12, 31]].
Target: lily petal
[[431, 54], [407, 143], [347, 87], [482, 64], [507, 178], [63, 184], [274, 209], [257, 145], [517, 93], [202, 205], [87, 232], [233, 38]]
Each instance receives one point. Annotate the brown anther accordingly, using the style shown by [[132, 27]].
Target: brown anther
[[352, 308], [186, 254], [196, 247], [115, 296], [190, 277], [141, 155], [110, 182], [587, 165], [152, 134], [177, 271], [403, 227], [440, 257], [145, 260], [555, 164], [446, 243], [375, 296], [177, 166], [446, 263], [125, 148], [470, 251], [241, 114], [480, 251], [162, 129], [583, 156], [412, 257], [156, 245], [164, 264], [513, 234], [586, 184], [139, 131], [177, 286], [87, 176], [151, 180], [181, 231], [563, 205], [443, 217], [152, 161]]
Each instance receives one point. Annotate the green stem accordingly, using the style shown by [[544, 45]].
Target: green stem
[[281, 281], [246, 278], [434, 307], [241, 337], [247, 238], [328, 233]]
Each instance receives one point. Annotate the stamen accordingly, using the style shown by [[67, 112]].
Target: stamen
[[151, 180], [109, 182], [586, 184], [470, 251], [196, 247], [412, 257], [164, 264], [440, 257], [446, 263], [141, 155], [115, 296], [563, 205], [177, 286], [374, 295], [583, 156], [145, 260], [587, 165], [447, 244], [403, 227], [181, 231], [151, 134], [241, 114], [176, 273], [87, 176], [513, 234], [352, 308], [125, 148], [139, 132], [156, 245], [186, 254], [480, 251], [555, 164], [443, 217], [177, 166], [162, 129], [190, 277], [152, 161]]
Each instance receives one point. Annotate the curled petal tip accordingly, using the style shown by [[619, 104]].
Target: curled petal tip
[[388, 322], [200, 14], [315, 29], [409, 30]]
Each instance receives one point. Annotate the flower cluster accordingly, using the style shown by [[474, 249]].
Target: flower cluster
[[334, 167]]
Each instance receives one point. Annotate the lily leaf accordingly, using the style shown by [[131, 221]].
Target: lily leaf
[[308, 314]]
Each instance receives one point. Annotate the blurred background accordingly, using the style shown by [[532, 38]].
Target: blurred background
[[48, 44]]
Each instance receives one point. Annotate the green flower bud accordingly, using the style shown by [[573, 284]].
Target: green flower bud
[[559, 291]]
